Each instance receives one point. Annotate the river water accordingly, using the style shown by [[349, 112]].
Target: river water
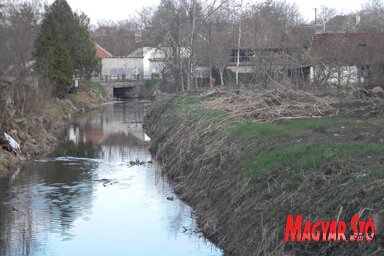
[[92, 198]]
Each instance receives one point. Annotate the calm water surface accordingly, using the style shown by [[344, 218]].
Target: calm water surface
[[91, 200]]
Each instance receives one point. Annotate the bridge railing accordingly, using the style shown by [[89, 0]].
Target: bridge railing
[[126, 83]]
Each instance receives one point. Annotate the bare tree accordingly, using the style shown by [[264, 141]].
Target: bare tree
[[18, 29], [372, 16], [217, 42], [239, 36], [198, 14], [165, 28], [325, 14], [269, 41], [117, 37]]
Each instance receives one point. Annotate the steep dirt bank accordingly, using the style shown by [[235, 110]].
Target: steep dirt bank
[[37, 132], [245, 160]]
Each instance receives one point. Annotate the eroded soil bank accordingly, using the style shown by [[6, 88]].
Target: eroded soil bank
[[36, 131], [246, 160]]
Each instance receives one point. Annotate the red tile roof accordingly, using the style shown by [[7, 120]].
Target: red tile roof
[[101, 52], [349, 48]]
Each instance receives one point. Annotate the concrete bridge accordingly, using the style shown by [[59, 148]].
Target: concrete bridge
[[122, 89]]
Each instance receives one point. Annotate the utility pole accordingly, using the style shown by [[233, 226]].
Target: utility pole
[[239, 44]]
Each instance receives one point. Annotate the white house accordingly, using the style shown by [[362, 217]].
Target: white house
[[143, 64]]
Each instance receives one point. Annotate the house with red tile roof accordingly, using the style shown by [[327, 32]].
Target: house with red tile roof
[[101, 52], [348, 58]]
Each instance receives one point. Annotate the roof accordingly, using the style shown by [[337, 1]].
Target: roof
[[101, 52], [157, 53], [139, 53], [349, 48]]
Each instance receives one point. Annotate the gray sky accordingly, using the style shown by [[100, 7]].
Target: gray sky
[[122, 9]]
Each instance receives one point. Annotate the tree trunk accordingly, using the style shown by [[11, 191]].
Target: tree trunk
[[189, 78], [192, 56], [181, 80], [221, 71], [238, 48]]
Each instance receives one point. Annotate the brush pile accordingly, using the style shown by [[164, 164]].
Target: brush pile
[[279, 105]]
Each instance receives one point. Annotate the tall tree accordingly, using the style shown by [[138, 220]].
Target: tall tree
[[53, 60], [198, 13], [268, 34], [218, 42], [117, 37], [74, 29], [18, 30], [166, 30], [65, 33]]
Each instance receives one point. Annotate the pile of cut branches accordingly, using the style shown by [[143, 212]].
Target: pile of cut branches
[[276, 105]]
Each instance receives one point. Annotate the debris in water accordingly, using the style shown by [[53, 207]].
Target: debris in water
[[136, 162], [107, 182]]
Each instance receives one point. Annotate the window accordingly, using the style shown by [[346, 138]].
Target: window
[[362, 44]]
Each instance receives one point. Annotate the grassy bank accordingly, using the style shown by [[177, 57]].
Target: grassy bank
[[245, 171]]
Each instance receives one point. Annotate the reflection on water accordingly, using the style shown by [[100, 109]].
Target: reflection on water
[[89, 199]]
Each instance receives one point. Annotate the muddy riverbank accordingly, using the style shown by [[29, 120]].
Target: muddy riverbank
[[245, 161], [37, 131]]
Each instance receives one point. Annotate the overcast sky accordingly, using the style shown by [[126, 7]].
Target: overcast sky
[[122, 9]]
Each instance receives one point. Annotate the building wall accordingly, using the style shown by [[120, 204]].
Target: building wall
[[150, 65], [147, 65], [151, 62], [157, 67], [343, 75], [117, 68], [242, 69]]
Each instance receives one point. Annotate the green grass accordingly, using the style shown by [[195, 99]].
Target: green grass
[[304, 157], [253, 129], [97, 88], [25, 117], [191, 106], [62, 106], [291, 160], [200, 114], [161, 101], [182, 104], [372, 173], [154, 82]]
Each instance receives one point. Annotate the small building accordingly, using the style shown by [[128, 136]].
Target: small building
[[143, 64], [121, 68], [348, 58]]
